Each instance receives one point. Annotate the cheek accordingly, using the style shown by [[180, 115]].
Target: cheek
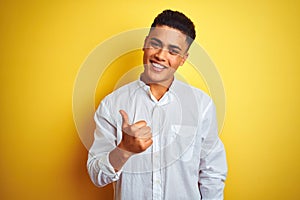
[[147, 54], [175, 63]]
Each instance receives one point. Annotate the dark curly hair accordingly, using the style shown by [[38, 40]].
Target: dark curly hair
[[177, 20]]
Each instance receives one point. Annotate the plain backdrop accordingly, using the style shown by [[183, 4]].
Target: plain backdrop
[[254, 45]]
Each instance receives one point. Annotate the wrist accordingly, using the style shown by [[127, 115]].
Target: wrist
[[118, 158], [124, 153]]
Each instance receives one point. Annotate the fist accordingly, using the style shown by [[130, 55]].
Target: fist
[[136, 137]]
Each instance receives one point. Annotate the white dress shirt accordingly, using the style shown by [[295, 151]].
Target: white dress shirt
[[186, 160]]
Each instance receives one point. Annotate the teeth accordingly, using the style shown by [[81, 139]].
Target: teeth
[[158, 66]]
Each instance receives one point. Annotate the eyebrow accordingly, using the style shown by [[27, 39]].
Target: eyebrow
[[170, 46]]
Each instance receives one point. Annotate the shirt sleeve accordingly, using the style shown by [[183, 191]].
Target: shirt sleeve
[[213, 165], [105, 140]]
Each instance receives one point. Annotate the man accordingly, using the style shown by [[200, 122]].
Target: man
[[157, 138]]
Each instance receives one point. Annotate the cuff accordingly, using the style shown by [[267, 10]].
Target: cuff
[[108, 169]]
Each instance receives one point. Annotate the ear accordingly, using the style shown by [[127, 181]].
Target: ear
[[145, 41], [183, 59]]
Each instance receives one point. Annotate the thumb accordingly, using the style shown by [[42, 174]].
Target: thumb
[[125, 120]]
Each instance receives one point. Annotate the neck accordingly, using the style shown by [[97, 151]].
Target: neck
[[157, 89]]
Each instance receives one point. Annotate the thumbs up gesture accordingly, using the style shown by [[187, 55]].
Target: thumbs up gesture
[[136, 137]]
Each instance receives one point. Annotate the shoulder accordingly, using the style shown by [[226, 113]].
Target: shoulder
[[118, 96], [114, 101], [123, 90], [188, 90]]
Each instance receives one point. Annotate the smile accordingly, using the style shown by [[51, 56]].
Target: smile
[[157, 67]]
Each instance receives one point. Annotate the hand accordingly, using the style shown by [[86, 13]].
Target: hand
[[136, 137]]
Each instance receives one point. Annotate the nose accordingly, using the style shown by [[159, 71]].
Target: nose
[[160, 54]]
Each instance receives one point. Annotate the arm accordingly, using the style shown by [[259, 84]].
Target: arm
[[106, 159], [213, 166], [105, 140], [136, 138]]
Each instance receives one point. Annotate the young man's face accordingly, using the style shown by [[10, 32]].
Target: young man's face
[[165, 49]]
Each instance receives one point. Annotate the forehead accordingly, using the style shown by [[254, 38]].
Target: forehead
[[168, 36]]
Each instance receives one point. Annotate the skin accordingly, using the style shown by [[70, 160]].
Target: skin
[[169, 40], [165, 49]]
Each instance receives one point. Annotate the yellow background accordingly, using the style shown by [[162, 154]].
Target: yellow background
[[254, 44]]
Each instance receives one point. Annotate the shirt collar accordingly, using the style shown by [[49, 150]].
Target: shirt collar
[[168, 96]]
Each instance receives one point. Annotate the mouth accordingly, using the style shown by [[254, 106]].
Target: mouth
[[157, 67]]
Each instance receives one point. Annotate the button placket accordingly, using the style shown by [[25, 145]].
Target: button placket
[[157, 121]]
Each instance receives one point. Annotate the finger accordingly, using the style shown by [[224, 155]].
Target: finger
[[148, 142], [140, 124], [145, 137], [144, 132], [125, 120]]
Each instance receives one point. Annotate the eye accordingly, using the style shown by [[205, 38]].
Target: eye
[[155, 45], [174, 52]]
